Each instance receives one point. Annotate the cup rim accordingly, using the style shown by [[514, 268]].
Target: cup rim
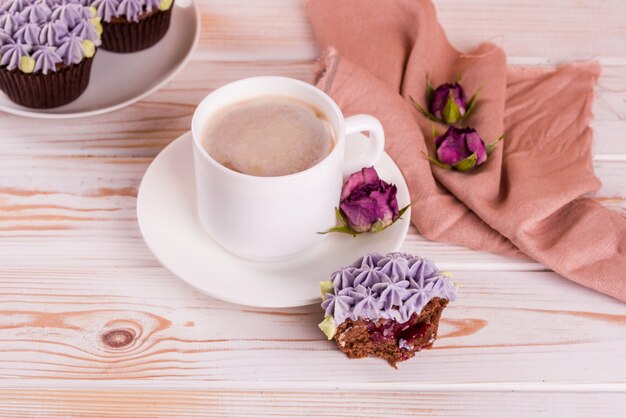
[[340, 135]]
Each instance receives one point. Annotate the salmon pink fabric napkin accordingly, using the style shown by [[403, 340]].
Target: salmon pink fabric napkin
[[531, 196]]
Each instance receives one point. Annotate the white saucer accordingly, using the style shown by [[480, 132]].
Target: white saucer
[[119, 80], [166, 212]]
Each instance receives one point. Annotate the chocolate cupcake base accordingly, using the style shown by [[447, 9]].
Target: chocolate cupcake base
[[123, 36], [388, 339], [46, 91]]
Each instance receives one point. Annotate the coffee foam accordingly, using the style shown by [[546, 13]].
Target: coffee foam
[[268, 136]]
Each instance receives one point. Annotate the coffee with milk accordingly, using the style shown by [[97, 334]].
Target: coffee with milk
[[268, 136]]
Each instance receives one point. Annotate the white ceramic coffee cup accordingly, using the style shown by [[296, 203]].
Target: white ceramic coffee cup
[[270, 218]]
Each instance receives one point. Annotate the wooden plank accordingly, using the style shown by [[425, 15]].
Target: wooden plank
[[177, 403], [90, 219], [113, 326], [274, 29], [142, 130], [531, 32]]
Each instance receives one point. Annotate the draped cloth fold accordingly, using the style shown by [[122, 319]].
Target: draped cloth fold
[[531, 197]]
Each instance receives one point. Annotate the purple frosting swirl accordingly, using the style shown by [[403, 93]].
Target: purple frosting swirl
[[367, 304], [339, 304], [53, 33], [393, 290], [394, 264], [48, 32], [36, 13], [14, 6], [72, 50], [107, 9], [46, 59], [131, 9], [10, 23], [344, 277], [11, 54], [70, 14], [395, 287], [420, 290], [86, 30], [5, 38], [28, 34], [367, 276]]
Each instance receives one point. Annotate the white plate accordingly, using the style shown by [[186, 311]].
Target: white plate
[[119, 80], [166, 212]]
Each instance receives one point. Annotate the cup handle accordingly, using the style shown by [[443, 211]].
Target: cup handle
[[372, 153]]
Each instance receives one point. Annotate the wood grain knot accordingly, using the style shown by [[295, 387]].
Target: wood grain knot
[[118, 338]]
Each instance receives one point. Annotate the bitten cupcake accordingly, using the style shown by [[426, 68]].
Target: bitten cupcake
[[133, 25], [46, 50], [385, 306]]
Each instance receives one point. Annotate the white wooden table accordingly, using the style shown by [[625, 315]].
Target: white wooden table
[[90, 324]]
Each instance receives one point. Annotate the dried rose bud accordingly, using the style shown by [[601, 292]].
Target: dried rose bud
[[461, 149], [367, 204], [448, 103]]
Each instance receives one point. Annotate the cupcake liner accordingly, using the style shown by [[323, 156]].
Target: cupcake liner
[[45, 91], [125, 36]]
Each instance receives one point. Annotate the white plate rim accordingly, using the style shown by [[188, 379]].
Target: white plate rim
[[73, 115]]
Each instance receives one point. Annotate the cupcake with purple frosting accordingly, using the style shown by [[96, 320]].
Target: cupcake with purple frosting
[[385, 306], [132, 25], [46, 50]]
